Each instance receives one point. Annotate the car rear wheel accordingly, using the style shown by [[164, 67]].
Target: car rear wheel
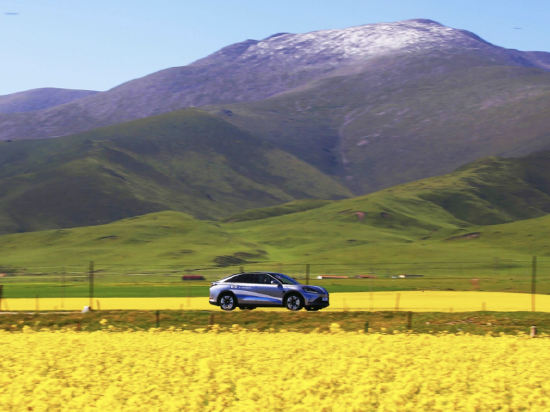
[[228, 302], [294, 303], [312, 309]]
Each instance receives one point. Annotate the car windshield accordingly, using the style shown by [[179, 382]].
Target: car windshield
[[284, 279]]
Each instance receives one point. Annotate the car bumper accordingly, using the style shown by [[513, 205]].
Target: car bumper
[[213, 302], [318, 302]]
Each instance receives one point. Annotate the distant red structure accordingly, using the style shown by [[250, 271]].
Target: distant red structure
[[365, 277], [192, 277]]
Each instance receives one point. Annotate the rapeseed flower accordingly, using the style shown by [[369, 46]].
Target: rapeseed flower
[[233, 369]]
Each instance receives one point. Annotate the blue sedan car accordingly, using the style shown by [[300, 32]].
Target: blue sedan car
[[266, 289]]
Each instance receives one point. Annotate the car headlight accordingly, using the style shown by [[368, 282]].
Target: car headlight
[[310, 290]]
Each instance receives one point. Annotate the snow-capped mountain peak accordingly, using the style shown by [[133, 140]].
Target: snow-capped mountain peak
[[349, 45]]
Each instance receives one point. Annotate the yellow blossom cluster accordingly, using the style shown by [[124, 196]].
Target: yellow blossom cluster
[[238, 370]]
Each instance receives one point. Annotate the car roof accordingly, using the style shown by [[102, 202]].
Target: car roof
[[267, 273]]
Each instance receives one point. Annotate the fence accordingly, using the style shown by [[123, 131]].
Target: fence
[[93, 280]]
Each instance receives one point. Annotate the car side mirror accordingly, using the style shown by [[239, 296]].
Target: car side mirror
[[273, 282]]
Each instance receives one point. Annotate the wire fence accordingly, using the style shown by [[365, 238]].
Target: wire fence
[[495, 275]]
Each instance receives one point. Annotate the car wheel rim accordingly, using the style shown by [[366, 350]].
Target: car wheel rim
[[227, 302], [293, 303]]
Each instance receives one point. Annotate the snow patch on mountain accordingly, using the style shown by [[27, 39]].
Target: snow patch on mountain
[[351, 44]]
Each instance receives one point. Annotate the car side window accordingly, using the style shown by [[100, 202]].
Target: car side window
[[251, 278], [236, 279], [244, 278], [264, 279]]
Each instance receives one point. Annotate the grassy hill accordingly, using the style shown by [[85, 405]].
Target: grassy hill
[[187, 161], [491, 208], [422, 220], [153, 239]]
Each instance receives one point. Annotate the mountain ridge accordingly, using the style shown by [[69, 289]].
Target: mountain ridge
[[207, 81], [39, 99]]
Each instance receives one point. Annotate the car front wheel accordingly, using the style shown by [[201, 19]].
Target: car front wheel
[[228, 302], [294, 303]]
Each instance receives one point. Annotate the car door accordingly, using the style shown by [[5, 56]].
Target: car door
[[269, 291], [243, 286]]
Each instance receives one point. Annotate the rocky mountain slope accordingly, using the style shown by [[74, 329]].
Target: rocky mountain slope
[[379, 128], [38, 99]]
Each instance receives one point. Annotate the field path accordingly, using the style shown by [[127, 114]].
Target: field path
[[429, 301]]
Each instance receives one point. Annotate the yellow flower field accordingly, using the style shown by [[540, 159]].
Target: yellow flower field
[[417, 301], [239, 370]]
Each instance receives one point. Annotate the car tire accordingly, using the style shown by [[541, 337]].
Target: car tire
[[294, 302], [228, 302], [312, 308]]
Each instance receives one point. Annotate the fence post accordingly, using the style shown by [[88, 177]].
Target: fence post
[[62, 288], [409, 320], [91, 284], [157, 315], [1, 287], [188, 293], [307, 274], [533, 283], [397, 298], [371, 296]]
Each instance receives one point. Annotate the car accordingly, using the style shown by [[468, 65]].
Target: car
[[266, 289]]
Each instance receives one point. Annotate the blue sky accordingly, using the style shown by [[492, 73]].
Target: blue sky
[[98, 44]]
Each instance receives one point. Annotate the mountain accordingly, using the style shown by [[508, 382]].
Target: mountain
[[386, 126], [186, 160], [38, 99], [494, 207], [373, 106], [255, 70]]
